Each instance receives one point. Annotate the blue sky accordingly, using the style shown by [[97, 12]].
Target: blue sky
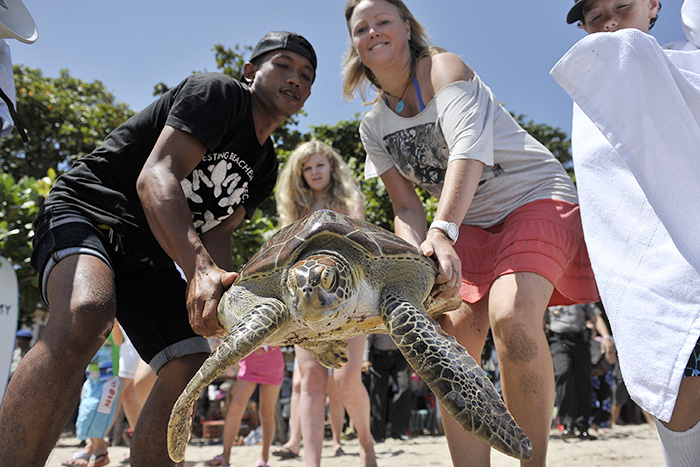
[[131, 45]]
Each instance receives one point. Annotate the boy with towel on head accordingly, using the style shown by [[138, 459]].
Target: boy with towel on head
[[636, 135]]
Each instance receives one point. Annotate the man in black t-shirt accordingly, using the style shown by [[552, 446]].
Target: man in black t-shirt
[[168, 187]]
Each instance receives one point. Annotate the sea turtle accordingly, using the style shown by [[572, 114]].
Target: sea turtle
[[329, 277]]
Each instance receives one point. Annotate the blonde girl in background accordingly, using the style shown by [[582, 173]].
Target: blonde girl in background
[[316, 177]]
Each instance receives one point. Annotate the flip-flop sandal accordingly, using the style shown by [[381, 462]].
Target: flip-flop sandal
[[339, 452], [99, 460], [218, 461], [80, 455], [284, 453]]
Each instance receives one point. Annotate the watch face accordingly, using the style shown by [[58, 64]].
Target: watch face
[[452, 231]]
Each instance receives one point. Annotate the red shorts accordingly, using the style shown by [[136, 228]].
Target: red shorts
[[544, 237]]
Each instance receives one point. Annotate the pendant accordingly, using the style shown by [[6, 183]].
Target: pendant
[[399, 106]]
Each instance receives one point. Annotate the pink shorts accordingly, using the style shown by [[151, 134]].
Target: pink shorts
[[544, 237], [264, 366]]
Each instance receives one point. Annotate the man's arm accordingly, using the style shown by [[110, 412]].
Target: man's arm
[[174, 156]]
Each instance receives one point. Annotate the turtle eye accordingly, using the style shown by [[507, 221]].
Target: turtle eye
[[328, 278]]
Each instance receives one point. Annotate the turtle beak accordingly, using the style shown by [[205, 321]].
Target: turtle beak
[[309, 297]]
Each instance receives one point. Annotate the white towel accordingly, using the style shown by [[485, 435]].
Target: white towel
[[7, 84], [637, 96], [650, 292], [636, 145]]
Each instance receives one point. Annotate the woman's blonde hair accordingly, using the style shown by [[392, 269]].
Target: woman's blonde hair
[[356, 75], [293, 195]]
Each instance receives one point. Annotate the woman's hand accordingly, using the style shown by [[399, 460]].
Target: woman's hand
[[203, 294], [449, 277]]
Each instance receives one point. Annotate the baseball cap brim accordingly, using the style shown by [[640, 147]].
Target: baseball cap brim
[[575, 14]]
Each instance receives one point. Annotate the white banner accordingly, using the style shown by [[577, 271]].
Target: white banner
[[9, 311]]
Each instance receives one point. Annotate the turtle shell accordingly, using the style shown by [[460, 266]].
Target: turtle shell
[[374, 241]]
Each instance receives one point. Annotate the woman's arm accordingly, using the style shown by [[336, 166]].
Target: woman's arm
[[409, 215]]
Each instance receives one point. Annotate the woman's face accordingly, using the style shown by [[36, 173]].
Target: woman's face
[[378, 32], [317, 173]]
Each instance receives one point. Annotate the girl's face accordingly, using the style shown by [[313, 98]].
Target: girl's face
[[378, 32], [317, 173], [613, 15]]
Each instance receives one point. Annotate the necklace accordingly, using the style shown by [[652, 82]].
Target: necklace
[[400, 104]]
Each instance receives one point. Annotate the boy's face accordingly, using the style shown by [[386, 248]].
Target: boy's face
[[613, 15]]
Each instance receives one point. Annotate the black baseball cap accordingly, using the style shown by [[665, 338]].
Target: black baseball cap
[[575, 14], [276, 40]]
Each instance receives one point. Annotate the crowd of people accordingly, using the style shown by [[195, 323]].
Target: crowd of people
[[165, 192]]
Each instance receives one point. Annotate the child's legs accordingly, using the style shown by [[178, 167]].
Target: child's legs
[[336, 412], [686, 413], [268, 400], [312, 405], [240, 395], [354, 395], [680, 437], [294, 440]]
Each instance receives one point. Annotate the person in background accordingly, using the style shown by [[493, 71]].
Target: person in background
[[569, 342], [316, 177], [23, 338], [263, 369], [98, 404], [384, 362], [506, 232], [336, 417], [168, 186], [635, 139]]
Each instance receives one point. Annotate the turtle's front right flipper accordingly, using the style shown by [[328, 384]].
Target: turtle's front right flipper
[[251, 331], [453, 376]]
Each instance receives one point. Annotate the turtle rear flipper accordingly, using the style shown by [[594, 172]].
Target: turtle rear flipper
[[248, 334], [453, 376], [331, 354]]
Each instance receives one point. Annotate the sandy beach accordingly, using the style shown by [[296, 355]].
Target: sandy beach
[[628, 445]]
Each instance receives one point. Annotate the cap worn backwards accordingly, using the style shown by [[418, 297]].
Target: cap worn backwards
[[575, 14], [276, 40]]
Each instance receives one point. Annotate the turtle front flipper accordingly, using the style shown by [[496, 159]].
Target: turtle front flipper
[[244, 337], [453, 376], [331, 354]]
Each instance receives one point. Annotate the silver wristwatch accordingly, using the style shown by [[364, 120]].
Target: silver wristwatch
[[449, 228]]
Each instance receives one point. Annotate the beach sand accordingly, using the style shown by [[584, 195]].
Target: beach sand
[[628, 446]]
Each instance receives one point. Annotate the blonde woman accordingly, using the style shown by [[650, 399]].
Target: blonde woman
[[315, 177], [507, 230]]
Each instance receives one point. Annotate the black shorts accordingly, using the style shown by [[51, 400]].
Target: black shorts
[[150, 291]]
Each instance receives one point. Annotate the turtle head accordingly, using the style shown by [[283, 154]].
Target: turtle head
[[321, 286]]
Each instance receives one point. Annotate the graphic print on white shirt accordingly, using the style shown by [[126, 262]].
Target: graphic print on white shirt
[[220, 178]]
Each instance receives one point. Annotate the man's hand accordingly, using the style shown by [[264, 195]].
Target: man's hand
[[203, 294]]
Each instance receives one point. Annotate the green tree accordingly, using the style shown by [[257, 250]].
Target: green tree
[[19, 205], [65, 118]]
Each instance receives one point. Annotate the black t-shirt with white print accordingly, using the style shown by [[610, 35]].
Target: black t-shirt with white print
[[236, 170]]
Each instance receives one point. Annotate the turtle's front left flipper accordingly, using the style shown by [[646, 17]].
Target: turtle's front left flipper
[[453, 376], [263, 320]]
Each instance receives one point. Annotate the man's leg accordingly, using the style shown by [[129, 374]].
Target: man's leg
[[80, 289], [149, 444], [565, 387]]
